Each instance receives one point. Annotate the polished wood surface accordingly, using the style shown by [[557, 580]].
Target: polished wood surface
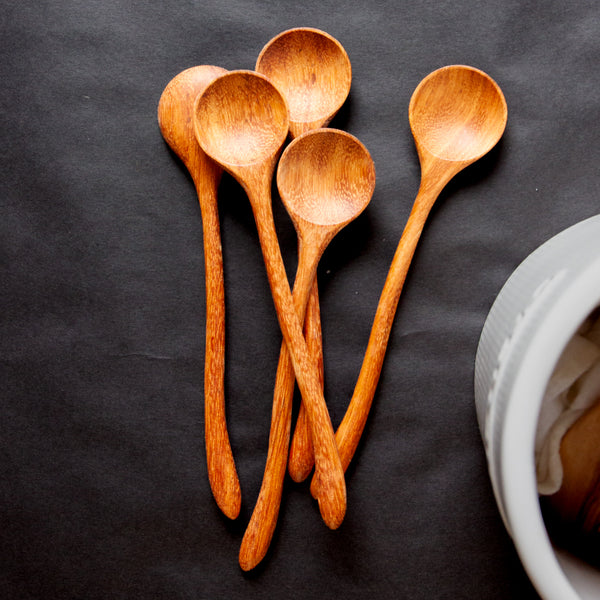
[[241, 120], [457, 114], [326, 179], [175, 111], [313, 72]]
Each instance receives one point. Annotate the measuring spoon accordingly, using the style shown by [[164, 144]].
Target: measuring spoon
[[325, 179], [175, 111], [241, 121], [457, 115]]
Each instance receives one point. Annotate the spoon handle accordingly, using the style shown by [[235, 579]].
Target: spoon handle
[[222, 473], [332, 494], [302, 459], [350, 429], [261, 527]]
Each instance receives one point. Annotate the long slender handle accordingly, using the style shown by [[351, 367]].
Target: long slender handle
[[302, 459], [350, 430], [263, 521], [261, 526], [332, 492], [222, 473]]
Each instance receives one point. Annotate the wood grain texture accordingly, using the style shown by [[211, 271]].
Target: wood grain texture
[[457, 114], [241, 121], [301, 455], [175, 112], [313, 72], [326, 179], [261, 527]]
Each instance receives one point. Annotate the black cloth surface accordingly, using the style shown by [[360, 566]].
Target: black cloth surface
[[104, 491]]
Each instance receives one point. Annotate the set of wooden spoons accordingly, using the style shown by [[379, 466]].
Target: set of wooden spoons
[[239, 121]]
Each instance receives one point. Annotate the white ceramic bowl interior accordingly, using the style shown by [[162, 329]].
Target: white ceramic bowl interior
[[534, 316]]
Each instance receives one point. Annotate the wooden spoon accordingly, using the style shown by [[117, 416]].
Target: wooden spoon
[[241, 121], [577, 502], [457, 114], [313, 72], [326, 179], [175, 111]]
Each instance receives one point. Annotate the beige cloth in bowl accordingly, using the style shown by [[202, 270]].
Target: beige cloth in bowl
[[573, 387]]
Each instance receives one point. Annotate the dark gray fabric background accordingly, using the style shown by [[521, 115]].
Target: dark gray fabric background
[[103, 487]]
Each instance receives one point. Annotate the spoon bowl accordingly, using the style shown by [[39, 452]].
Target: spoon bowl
[[241, 97], [325, 178], [457, 114], [314, 94], [175, 109]]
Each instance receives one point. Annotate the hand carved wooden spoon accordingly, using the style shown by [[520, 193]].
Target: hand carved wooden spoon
[[313, 72], [175, 111], [457, 114], [241, 121], [326, 179]]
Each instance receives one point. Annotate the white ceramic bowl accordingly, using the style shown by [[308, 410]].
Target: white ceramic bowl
[[534, 316]]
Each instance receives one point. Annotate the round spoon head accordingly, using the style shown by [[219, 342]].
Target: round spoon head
[[326, 178], [241, 119], [457, 113], [176, 107], [312, 70]]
